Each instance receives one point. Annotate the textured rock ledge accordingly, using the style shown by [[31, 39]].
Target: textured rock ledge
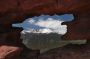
[[9, 52]]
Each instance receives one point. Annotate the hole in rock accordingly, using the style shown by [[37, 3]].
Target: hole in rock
[[46, 24], [44, 32]]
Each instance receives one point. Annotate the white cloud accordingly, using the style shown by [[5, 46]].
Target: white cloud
[[46, 24]]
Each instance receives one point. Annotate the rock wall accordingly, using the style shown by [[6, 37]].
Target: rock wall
[[13, 11]]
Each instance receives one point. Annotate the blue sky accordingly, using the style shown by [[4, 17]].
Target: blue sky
[[34, 22]]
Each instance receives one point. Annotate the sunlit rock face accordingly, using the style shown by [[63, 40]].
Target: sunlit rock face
[[44, 32]]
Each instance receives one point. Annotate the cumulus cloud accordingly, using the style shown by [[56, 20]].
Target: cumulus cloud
[[46, 24]]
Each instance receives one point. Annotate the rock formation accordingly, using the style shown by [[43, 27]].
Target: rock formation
[[14, 11], [8, 52]]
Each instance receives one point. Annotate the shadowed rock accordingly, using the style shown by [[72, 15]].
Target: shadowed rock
[[12, 11]]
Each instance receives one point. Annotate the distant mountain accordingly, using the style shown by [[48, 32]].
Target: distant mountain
[[44, 32], [45, 42]]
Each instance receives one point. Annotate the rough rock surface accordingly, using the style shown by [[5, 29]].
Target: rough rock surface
[[7, 52], [68, 52], [12, 11]]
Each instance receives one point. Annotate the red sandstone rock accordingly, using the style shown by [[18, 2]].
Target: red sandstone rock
[[7, 52], [33, 7], [13, 37], [79, 29], [7, 5], [68, 52], [73, 6], [17, 10]]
